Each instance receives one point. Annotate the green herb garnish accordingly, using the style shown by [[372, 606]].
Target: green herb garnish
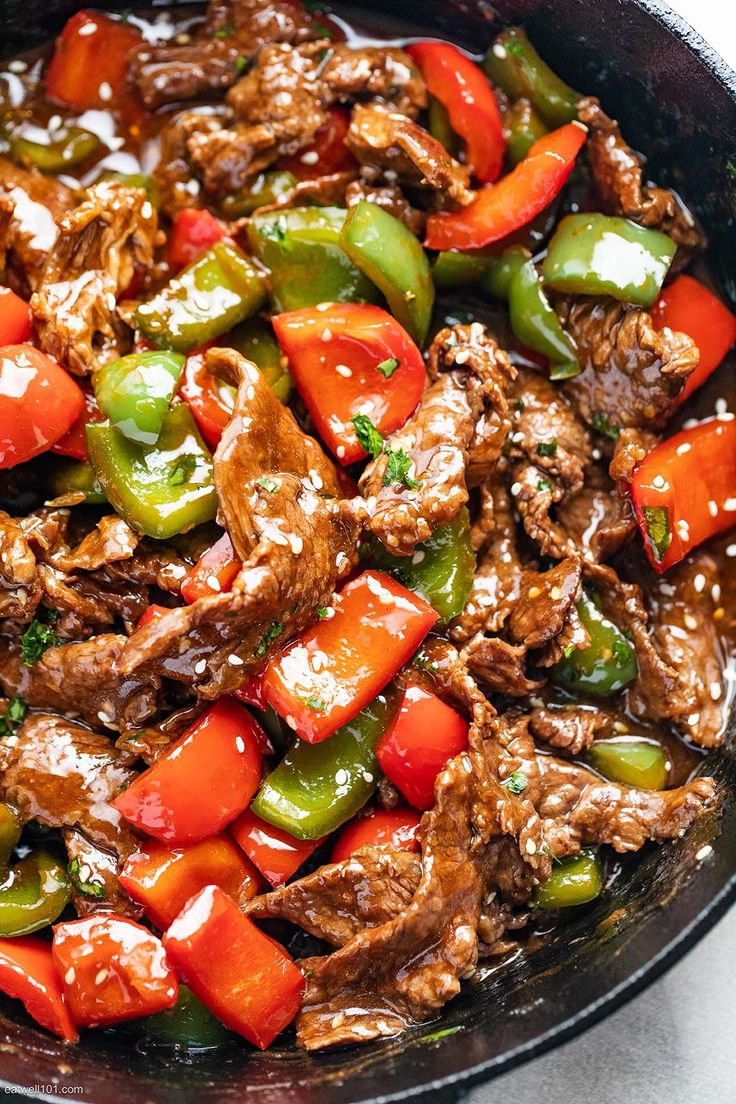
[[267, 484], [398, 464], [369, 438], [85, 889], [547, 448], [322, 612], [273, 631], [657, 519], [602, 424], [224, 32], [35, 640], [516, 781], [182, 471], [388, 367], [241, 64], [316, 703]]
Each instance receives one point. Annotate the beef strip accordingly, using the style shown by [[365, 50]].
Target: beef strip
[[295, 542], [391, 198], [20, 588], [97, 867], [500, 666], [631, 447], [597, 520], [400, 150], [632, 374], [384, 73], [570, 729], [454, 439], [100, 245], [618, 176], [175, 179], [31, 205], [544, 602]]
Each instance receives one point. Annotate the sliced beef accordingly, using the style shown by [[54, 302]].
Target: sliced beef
[[631, 447], [454, 439], [96, 887], [100, 245], [544, 602], [31, 205], [20, 587], [384, 73], [391, 198], [174, 176], [570, 729], [499, 666], [597, 520], [631, 374], [111, 539]]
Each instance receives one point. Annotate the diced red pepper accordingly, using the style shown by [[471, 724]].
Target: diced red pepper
[[28, 973], [328, 674], [514, 201], [690, 307], [202, 781], [210, 400], [253, 692], [112, 969], [162, 879], [684, 490], [423, 735], [463, 88], [39, 402], [15, 318], [215, 570], [74, 443], [153, 613], [395, 828], [245, 979], [89, 67], [348, 358], [327, 153], [193, 231], [273, 851]]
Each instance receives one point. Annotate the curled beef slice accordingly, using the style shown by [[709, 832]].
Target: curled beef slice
[[632, 374], [391, 143], [618, 176], [544, 601], [500, 666], [31, 205], [20, 588], [99, 246], [597, 520], [174, 175], [631, 447], [279, 501], [570, 729], [454, 437], [384, 73]]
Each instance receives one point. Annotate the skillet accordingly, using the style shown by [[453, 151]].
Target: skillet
[[677, 100]]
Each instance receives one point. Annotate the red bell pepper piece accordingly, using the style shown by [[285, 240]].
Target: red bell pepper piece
[[690, 307], [89, 67], [201, 782], [463, 88], [112, 970], [210, 400], [684, 490], [215, 571], [74, 443], [193, 231], [423, 735], [28, 973], [15, 318], [162, 879], [329, 673], [514, 201], [245, 979], [334, 352], [253, 692], [38, 403], [395, 828], [327, 153], [273, 851], [151, 614]]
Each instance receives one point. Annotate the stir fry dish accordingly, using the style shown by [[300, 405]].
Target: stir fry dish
[[365, 582]]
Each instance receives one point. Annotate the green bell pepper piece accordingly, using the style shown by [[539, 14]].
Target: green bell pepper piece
[[301, 248], [630, 760], [135, 392], [574, 881], [204, 301], [593, 254], [317, 787], [522, 127], [33, 893], [440, 126], [74, 477], [267, 189], [515, 66], [10, 830], [137, 180], [501, 271], [71, 146], [162, 489], [188, 1024], [255, 339], [537, 326], [606, 665], [394, 260], [441, 569], [454, 270]]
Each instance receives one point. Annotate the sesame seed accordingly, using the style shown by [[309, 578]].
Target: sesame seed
[[531, 847], [311, 157], [418, 557], [87, 29], [715, 592], [17, 66], [715, 691], [323, 306], [534, 592], [341, 776], [658, 481], [721, 406], [719, 614], [682, 449], [147, 210], [290, 721], [516, 488], [200, 666], [704, 852], [340, 450], [555, 593], [693, 719], [104, 717], [214, 583], [240, 744], [731, 551], [690, 622], [597, 454], [699, 582], [70, 975], [100, 976], [343, 370], [105, 92], [712, 508], [326, 334], [730, 505], [728, 416], [367, 776], [234, 660], [499, 51]]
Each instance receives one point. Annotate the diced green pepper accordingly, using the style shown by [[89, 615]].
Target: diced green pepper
[[73, 478], [441, 569], [440, 126], [537, 326], [515, 66], [301, 248], [71, 146], [574, 881], [255, 339], [204, 301], [266, 189], [593, 254], [317, 787], [135, 392], [389, 254], [33, 893], [137, 180], [162, 489], [522, 127], [501, 271], [453, 270], [10, 829], [630, 760], [188, 1024], [606, 665]]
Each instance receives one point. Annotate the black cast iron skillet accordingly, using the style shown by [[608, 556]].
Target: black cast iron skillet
[[677, 100]]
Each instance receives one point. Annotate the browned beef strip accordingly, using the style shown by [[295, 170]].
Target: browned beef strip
[[631, 373], [454, 438], [150, 742], [110, 540], [97, 868], [384, 73], [20, 587], [391, 198], [631, 447], [544, 602], [91, 263], [570, 729], [31, 205], [500, 667], [401, 150], [617, 172], [597, 520], [174, 176]]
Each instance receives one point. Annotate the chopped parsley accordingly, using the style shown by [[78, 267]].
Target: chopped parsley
[[547, 850], [316, 703], [267, 484], [657, 519], [435, 1036], [516, 781], [388, 367], [84, 888], [602, 424], [544, 485], [514, 48], [273, 631], [14, 714], [519, 406], [322, 612], [398, 464], [241, 64], [547, 448], [369, 438], [224, 32], [35, 640], [567, 652], [182, 471]]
